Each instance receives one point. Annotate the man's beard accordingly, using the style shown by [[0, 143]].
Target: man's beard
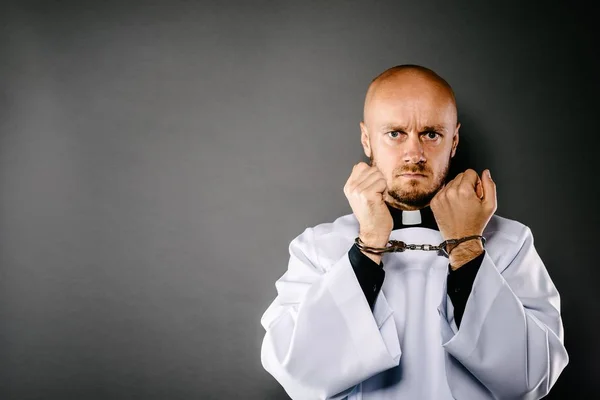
[[413, 197]]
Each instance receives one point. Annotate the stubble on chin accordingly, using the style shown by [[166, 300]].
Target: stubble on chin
[[411, 196]]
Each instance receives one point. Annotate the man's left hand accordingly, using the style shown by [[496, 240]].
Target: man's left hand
[[463, 207]]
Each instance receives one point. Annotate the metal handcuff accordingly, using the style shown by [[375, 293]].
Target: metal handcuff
[[400, 246]]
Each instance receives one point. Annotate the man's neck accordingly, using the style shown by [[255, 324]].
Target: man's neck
[[405, 207]]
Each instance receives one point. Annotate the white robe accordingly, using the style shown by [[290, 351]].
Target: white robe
[[323, 341]]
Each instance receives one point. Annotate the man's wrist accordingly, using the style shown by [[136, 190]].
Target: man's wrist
[[373, 240], [464, 252]]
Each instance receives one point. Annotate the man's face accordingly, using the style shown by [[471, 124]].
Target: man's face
[[410, 127]]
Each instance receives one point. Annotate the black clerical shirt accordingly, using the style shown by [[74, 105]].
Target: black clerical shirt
[[370, 275]]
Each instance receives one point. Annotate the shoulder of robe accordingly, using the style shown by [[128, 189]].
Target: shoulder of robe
[[505, 237], [325, 243]]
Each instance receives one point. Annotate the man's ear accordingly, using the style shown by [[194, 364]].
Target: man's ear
[[364, 139], [455, 140]]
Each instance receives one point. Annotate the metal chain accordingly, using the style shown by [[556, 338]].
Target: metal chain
[[400, 246]]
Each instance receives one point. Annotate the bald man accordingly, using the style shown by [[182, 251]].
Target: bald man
[[423, 292]]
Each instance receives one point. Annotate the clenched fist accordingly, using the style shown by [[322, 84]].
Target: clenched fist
[[464, 206], [365, 190]]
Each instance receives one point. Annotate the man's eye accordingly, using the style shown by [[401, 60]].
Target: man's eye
[[394, 134], [432, 135]]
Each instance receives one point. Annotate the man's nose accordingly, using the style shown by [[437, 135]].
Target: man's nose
[[413, 150]]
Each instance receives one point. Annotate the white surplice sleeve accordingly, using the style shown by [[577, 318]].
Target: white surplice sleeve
[[510, 343], [322, 338]]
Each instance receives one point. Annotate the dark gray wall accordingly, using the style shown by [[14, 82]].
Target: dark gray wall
[[157, 158]]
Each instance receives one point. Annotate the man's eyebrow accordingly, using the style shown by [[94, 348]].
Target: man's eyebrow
[[427, 128], [436, 128]]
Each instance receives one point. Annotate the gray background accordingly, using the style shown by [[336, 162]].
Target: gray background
[[157, 158]]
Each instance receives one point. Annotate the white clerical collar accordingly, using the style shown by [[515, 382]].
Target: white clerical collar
[[412, 217]]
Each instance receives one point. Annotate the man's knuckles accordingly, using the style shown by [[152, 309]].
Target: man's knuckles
[[361, 166], [465, 190]]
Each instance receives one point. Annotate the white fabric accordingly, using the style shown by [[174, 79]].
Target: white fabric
[[322, 340]]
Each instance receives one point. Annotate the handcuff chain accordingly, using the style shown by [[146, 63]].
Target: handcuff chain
[[400, 246]]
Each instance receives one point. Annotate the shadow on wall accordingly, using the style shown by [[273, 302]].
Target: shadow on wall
[[473, 151]]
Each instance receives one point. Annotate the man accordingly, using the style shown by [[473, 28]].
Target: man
[[355, 317]]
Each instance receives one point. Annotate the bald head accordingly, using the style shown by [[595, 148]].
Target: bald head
[[408, 82]]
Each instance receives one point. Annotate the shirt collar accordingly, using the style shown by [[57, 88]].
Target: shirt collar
[[411, 218]]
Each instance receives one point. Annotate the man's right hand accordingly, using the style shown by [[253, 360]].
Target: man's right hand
[[365, 191]]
